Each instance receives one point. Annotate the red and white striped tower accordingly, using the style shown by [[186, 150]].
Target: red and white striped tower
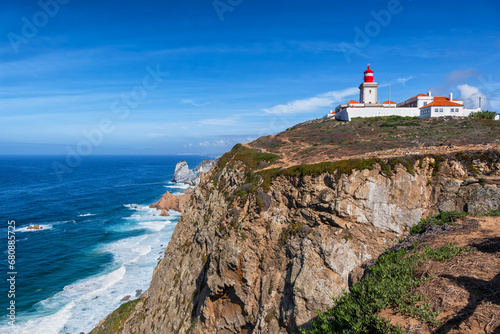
[[368, 75], [368, 89]]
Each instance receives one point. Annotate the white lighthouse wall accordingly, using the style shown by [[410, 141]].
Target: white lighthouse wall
[[350, 113], [369, 95]]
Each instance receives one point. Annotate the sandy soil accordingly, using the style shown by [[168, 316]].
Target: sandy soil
[[465, 290]]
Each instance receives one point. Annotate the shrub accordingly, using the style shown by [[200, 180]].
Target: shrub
[[251, 158], [483, 115], [445, 217], [446, 252], [390, 282]]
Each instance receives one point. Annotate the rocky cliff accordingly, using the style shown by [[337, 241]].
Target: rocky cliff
[[260, 249]]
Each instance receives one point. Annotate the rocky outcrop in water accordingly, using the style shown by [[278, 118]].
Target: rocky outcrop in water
[[252, 254], [172, 202], [185, 175]]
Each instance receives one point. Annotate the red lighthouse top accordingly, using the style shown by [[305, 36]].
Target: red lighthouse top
[[368, 75]]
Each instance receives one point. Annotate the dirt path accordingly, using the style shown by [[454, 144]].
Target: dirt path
[[287, 158]]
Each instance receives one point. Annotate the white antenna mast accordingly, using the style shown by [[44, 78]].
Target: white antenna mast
[[390, 93]]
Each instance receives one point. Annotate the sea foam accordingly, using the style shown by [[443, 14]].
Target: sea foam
[[81, 305]]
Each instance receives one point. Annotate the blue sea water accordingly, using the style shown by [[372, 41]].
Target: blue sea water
[[100, 240]]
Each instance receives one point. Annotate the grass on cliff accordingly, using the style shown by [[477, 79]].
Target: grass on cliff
[[337, 168], [391, 282], [251, 158], [446, 217], [328, 139], [115, 321]]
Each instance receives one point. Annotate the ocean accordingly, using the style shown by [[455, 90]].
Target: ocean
[[100, 240]]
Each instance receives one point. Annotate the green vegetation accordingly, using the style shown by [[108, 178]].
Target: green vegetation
[[483, 115], [335, 139], [347, 167], [289, 232], [386, 119], [338, 168], [494, 213], [251, 158], [270, 315], [114, 323], [395, 121], [445, 217], [390, 283], [445, 253]]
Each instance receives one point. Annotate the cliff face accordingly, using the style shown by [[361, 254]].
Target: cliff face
[[252, 254]]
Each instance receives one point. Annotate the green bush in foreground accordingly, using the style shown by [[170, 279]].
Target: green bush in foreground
[[390, 283], [483, 115]]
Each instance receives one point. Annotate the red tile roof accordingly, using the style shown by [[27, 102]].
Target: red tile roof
[[389, 102], [442, 103], [440, 98], [417, 96], [352, 101]]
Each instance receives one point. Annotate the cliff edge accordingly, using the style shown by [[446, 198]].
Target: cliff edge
[[266, 239]]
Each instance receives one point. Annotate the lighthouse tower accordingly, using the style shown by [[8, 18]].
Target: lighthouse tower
[[368, 89]]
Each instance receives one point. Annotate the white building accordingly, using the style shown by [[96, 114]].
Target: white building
[[445, 106], [422, 105]]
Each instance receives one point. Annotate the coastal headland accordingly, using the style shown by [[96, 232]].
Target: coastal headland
[[281, 225]]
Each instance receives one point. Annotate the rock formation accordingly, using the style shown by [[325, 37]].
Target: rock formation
[[35, 227], [185, 175], [257, 252], [172, 202], [182, 173]]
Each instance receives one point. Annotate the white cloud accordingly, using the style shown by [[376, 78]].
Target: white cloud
[[155, 135], [403, 81], [470, 95], [194, 103], [313, 103], [219, 121], [459, 76], [216, 143]]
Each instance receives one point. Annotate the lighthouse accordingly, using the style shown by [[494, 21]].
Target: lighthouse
[[368, 89]]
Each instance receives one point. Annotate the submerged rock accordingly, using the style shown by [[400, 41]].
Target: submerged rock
[[124, 299], [35, 227]]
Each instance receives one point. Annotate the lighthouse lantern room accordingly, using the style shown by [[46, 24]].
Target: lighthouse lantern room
[[368, 89]]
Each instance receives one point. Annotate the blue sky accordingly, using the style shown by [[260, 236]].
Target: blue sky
[[198, 76]]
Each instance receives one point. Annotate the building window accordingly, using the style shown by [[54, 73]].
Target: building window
[[370, 91], [440, 109], [425, 103], [452, 109]]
